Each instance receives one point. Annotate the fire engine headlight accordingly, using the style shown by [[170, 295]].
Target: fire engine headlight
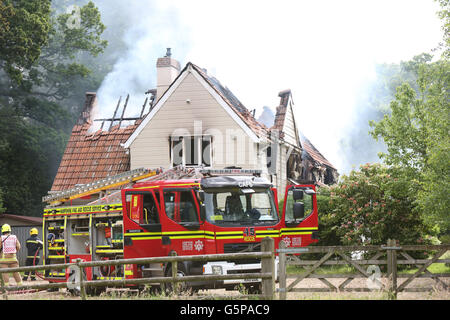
[[217, 270]]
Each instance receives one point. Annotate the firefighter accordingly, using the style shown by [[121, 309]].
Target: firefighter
[[8, 259], [34, 244]]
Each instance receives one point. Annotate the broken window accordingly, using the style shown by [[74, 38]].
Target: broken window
[[191, 150]]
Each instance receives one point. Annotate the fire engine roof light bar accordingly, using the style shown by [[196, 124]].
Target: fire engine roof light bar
[[231, 172], [97, 184]]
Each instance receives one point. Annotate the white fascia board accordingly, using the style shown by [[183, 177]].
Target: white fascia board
[[155, 109], [225, 106]]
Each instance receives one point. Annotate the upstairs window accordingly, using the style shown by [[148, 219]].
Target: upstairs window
[[191, 150]]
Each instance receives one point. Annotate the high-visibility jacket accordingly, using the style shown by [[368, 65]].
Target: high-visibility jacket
[[10, 245], [33, 244]]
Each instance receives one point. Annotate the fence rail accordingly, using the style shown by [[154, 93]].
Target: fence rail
[[267, 275], [387, 255], [391, 256]]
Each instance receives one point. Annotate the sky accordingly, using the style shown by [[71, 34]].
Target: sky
[[324, 51]]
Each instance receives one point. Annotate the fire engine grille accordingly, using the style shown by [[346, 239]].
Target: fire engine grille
[[242, 247]]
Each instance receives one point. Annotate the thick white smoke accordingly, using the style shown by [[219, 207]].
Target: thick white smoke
[[140, 31]]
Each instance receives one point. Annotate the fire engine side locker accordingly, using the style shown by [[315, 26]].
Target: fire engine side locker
[[79, 240], [54, 251], [107, 244]]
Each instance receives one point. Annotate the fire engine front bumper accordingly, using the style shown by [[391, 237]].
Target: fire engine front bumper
[[229, 268]]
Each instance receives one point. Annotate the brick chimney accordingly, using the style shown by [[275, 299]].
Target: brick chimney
[[90, 108], [167, 69]]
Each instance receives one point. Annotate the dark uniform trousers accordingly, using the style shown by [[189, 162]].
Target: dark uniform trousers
[[33, 244]]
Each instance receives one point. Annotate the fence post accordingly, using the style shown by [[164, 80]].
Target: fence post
[[175, 284], [267, 266], [81, 276], [282, 271], [392, 269], [5, 295]]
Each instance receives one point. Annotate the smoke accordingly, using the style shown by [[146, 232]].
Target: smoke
[[325, 52], [138, 33]]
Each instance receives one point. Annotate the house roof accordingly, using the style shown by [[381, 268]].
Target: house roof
[[309, 148], [93, 156], [246, 116], [224, 96], [23, 219]]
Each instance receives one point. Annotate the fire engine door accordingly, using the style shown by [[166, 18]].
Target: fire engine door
[[142, 225], [299, 216], [181, 228]]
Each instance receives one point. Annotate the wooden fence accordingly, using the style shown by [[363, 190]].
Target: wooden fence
[[267, 274], [387, 255]]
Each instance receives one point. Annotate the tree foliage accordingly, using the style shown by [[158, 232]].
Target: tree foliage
[[36, 86], [24, 30], [370, 206], [416, 134]]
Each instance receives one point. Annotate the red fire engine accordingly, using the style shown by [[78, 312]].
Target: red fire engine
[[210, 212]]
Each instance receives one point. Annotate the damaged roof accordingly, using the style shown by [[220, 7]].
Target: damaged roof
[[258, 128], [315, 155], [92, 156], [89, 157]]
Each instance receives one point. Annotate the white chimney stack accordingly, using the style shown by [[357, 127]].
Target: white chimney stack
[[167, 69]]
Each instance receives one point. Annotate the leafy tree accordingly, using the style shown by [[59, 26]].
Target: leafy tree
[[370, 206], [416, 136], [35, 116], [24, 29], [444, 15]]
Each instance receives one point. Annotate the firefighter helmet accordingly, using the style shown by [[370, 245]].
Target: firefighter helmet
[[33, 231], [6, 228]]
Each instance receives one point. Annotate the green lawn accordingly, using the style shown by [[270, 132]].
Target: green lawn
[[345, 269]]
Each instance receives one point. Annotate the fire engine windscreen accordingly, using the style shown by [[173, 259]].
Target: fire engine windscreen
[[242, 206]]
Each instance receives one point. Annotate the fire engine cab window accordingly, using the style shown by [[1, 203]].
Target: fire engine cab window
[[180, 206], [142, 208], [234, 207], [307, 201], [150, 212]]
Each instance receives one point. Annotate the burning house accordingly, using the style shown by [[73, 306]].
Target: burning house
[[192, 120]]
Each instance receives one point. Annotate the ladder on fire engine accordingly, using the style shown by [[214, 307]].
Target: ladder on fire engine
[[115, 182]]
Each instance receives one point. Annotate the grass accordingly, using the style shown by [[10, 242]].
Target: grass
[[346, 269]]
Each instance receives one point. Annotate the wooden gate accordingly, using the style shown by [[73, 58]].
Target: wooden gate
[[368, 268]]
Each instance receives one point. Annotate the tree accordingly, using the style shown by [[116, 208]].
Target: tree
[[370, 206], [417, 139], [35, 119], [24, 30]]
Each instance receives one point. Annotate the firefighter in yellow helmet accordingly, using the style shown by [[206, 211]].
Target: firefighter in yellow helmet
[[8, 259], [34, 244]]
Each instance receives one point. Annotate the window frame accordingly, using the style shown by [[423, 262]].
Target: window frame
[[202, 141]]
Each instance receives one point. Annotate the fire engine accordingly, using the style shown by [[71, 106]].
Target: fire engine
[[187, 211]]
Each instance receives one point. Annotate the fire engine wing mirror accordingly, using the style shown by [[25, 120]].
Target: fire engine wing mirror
[[202, 212], [201, 195], [298, 195], [299, 210]]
